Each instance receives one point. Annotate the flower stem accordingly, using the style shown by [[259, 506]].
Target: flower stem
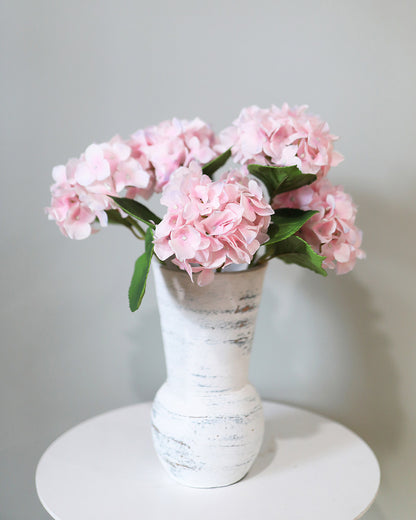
[[134, 225], [134, 232]]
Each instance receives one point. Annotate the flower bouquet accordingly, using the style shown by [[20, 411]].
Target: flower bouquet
[[275, 201], [211, 224]]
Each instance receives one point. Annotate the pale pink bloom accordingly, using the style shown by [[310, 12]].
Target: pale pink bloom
[[129, 173], [163, 148], [211, 224], [93, 168], [281, 137], [72, 216], [115, 152], [80, 194], [332, 231]]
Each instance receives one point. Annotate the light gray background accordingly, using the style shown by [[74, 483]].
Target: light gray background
[[78, 71]]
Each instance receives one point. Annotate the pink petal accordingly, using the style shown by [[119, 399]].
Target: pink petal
[[83, 175], [205, 277], [59, 173], [94, 154], [342, 253], [336, 158]]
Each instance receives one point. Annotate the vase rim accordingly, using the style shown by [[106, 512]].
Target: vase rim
[[184, 273]]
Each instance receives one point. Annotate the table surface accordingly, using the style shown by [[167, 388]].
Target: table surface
[[309, 468]]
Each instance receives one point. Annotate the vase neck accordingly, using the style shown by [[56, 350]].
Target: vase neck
[[202, 368], [208, 331]]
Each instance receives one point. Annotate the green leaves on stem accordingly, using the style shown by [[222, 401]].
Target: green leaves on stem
[[286, 222], [114, 217], [130, 223], [211, 167], [294, 250], [141, 270], [280, 179], [137, 210], [284, 244]]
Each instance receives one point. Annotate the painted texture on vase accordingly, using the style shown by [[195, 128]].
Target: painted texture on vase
[[207, 418]]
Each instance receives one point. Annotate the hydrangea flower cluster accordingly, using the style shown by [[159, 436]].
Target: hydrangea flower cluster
[[81, 188], [171, 144], [332, 231], [281, 137], [211, 224], [137, 168]]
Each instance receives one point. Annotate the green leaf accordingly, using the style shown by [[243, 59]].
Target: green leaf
[[286, 222], [211, 167], [114, 217], [137, 210], [293, 182], [280, 179], [294, 250], [270, 176], [141, 270]]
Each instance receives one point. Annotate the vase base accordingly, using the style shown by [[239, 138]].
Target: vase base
[[208, 449], [207, 485]]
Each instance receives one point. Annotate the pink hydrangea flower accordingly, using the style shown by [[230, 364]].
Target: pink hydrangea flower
[[73, 218], [211, 224], [281, 137], [163, 148], [331, 232], [81, 188]]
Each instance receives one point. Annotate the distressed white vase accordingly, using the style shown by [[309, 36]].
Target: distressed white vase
[[207, 419]]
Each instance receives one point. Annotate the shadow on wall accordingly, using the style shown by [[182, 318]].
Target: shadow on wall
[[326, 345]]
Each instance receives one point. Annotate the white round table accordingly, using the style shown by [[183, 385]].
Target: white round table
[[309, 468]]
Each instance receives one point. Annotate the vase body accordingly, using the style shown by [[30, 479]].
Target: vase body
[[207, 419]]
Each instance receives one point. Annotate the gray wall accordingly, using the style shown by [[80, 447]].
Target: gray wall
[[75, 72]]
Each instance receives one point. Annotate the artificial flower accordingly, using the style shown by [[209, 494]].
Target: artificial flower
[[281, 137], [211, 224], [332, 231], [80, 194], [165, 147]]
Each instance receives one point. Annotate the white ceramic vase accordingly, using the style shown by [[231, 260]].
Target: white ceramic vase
[[207, 419]]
